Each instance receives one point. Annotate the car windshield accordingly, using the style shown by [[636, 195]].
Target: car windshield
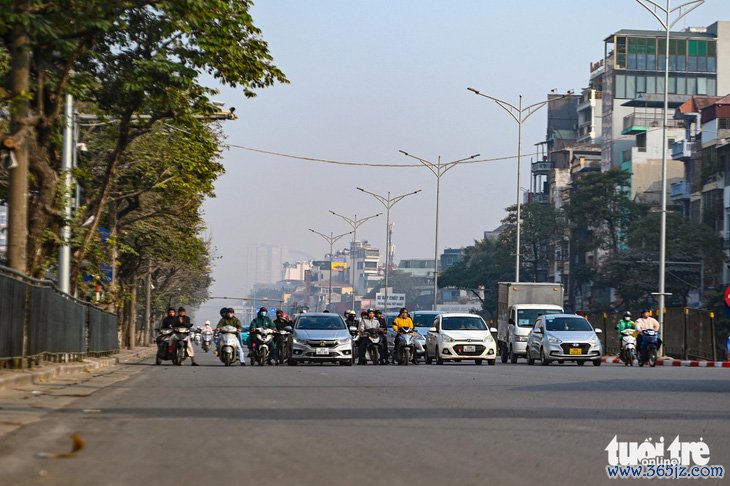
[[463, 324], [423, 320], [567, 324], [527, 317], [320, 323]]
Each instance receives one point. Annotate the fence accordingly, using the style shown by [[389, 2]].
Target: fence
[[39, 322], [687, 334]]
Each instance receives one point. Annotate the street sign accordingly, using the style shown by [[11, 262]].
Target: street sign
[[726, 296], [394, 300]]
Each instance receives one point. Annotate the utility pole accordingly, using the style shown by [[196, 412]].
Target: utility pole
[[354, 224], [388, 202], [438, 169], [331, 239], [67, 157]]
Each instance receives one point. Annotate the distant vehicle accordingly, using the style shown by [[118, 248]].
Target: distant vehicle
[[459, 337], [563, 337], [320, 337], [518, 306], [422, 321]]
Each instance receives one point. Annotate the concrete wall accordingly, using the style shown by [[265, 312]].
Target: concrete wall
[[722, 31]]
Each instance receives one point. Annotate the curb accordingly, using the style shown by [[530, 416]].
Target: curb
[[676, 362], [89, 365]]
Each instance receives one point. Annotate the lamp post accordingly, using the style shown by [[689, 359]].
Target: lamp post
[[520, 114], [354, 224], [331, 239], [388, 202], [438, 169], [667, 25]]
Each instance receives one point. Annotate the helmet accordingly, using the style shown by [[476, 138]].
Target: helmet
[[349, 312], [263, 309], [279, 312], [207, 323], [377, 311], [627, 314], [224, 311], [371, 310], [230, 311]]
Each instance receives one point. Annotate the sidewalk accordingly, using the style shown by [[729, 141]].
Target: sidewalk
[[47, 370], [675, 362]]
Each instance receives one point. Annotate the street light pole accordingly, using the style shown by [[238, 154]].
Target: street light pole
[[354, 224], [331, 239], [667, 25], [388, 202], [438, 169], [520, 115]]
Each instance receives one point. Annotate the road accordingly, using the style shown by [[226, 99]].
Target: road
[[416, 425]]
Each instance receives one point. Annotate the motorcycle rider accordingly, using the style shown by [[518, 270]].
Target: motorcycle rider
[[367, 322], [229, 319], [281, 322], [350, 319], [403, 321], [384, 342], [263, 321], [167, 323], [646, 321], [184, 321], [623, 324]]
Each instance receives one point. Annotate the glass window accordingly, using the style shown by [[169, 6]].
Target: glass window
[[692, 47], [702, 64], [691, 86], [527, 317], [681, 85], [463, 324], [702, 86], [641, 84], [660, 84], [692, 64], [620, 86], [711, 87], [711, 65], [672, 85], [630, 87], [651, 84], [567, 324], [320, 323], [701, 48]]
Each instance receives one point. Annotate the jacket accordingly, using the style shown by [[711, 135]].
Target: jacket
[[366, 323], [399, 321], [169, 323], [233, 321], [262, 322], [281, 323], [625, 324]]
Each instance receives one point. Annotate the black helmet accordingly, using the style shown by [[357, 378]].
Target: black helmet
[[224, 311], [181, 309], [170, 309], [263, 309], [230, 311]]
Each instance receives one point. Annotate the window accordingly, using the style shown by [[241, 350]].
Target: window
[[620, 86], [672, 85], [527, 317], [571, 324], [463, 324], [723, 123], [681, 85], [702, 86], [651, 84], [621, 52], [320, 323], [691, 86], [641, 84], [630, 87]]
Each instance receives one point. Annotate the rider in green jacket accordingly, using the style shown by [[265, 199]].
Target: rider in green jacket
[[625, 323], [263, 321]]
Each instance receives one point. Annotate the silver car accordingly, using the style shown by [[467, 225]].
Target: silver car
[[563, 337], [320, 337]]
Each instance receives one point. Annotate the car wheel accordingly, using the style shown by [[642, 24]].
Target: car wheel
[[478, 362], [491, 362], [530, 359], [597, 362], [543, 360], [439, 359], [580, 363], [512, 356]]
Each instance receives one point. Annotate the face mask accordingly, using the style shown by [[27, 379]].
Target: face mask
[[263, 314]]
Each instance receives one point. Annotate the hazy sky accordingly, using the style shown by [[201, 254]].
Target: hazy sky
[[371, 77]]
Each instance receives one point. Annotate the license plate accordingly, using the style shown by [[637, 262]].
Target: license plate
[[575, 351], [470, 349], [324, 351]]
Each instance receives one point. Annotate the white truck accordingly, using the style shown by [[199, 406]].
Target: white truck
[[518, 306]]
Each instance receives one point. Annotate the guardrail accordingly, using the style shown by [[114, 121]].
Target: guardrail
[[37, 322], [688, 333]]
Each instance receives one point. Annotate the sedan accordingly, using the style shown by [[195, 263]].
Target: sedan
[[459, 337], [320, 337], [563, 337]]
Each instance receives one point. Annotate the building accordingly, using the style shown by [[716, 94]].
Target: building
[[263, 265], [3, 229], [418, 267], [366, 261], [450, 257]]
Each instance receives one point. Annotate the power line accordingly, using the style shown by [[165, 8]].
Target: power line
[[360, 164]]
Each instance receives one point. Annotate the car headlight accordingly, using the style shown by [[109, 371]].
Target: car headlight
[[521, 339], [446, 338], [488, 338], [298, 341], [553, 340], [593, 341], [342, 342]]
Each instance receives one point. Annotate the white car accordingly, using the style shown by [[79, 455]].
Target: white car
[[459, 337]]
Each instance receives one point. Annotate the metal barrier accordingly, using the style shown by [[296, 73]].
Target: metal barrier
[[688, 333], [37, 321]]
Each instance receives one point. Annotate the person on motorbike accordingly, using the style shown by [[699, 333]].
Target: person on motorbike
[[281, 322], [263, 321], [403, 321], [350, 319], [646, 321], [206, 327], [366, 323], [384, 342], [168, 322], [625, 323], [229, 319], [184, 321]]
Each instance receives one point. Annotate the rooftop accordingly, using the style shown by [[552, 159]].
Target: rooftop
[[660, 33]]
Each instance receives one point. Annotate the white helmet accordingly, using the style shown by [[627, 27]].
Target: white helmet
[[207, 323]]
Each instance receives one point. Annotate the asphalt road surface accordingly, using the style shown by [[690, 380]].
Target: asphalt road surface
[[417, 425]]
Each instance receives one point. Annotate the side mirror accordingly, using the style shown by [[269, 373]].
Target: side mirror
[[288, 328], [598, 331], [493, 330], [353, 329], [537, 330], [432, 329], [511, 321]]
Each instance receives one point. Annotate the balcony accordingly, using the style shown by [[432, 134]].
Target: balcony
[[641, 122], [682, 150], [679, 190], [543, 167]]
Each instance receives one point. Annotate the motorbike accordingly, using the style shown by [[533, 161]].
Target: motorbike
[[197, 338], [180, 340], [262, 341], [228, 347], [283, 344], [649, 346], [165, 350], [372, 343], [355, 336], [628, 347], [407, 346], [207, 340]]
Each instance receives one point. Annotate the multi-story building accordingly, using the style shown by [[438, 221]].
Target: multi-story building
[[418, 267], [263, 265], [366, 261], [449, 257]]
